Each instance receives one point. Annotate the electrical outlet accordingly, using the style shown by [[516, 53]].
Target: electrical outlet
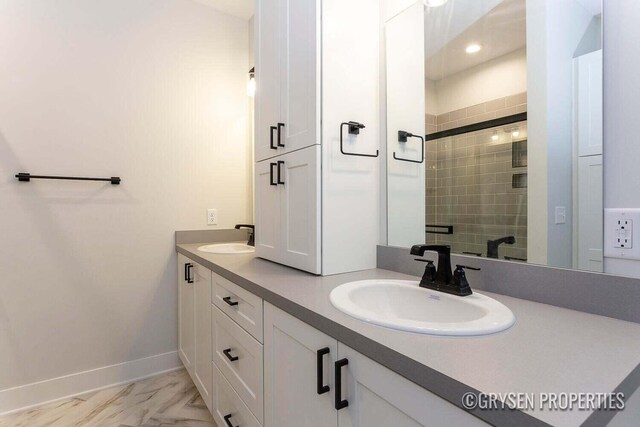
[[620, 237], [212, 217], [624, 234]]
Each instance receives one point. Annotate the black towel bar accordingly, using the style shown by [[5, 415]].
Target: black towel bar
[[354, 129], [27, 177]]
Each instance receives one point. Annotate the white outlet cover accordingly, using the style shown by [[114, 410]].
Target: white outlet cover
[[212, 217], [612, 219]]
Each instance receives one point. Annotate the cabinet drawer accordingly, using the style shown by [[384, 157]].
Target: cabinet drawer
[[239, 304], [239, 357], [226, 402]]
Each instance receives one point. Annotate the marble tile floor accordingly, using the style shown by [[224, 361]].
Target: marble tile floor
[[166, 400]]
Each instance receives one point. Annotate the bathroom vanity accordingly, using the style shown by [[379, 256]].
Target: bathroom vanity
[[266, 347]]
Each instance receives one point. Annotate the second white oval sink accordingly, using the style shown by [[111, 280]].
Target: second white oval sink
[[403, 305], [228, 248]]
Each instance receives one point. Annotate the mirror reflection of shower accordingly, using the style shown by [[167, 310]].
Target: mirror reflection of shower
[[476, 191]]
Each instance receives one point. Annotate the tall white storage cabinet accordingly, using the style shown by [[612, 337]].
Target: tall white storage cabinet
[[317, 68]]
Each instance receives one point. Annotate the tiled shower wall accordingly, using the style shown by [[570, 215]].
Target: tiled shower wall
[[469, 182], [495, 109]]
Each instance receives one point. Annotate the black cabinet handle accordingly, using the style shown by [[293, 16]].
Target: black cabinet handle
[[340, 404], [228, 301], [280, 126], [227, 353], [280, 172], [322, 389], [271, 174], [186, 272], [227, 419], [189, 278], [271, 140]]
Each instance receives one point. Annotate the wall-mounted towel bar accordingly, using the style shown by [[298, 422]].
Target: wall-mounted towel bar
[[402, 137], [354, 129], [27, 177]]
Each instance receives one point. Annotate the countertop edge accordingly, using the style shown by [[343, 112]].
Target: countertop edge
[[424, 376]]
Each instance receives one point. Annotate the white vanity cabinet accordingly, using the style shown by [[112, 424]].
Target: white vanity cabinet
[[308, 51], [300, 362], [297, 360], [288, 199], [194, 339], [378, 397]]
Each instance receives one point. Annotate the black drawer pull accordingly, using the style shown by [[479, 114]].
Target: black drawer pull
[[280, 172], [227, 353], [340, 404], [189, 277], [227, 419], [271, 141], [228, 301], [322, 389], [271, 174], [280, 126], [186, 272]]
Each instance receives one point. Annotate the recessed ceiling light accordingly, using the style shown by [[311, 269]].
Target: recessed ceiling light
[[434, 3], [473, 48]]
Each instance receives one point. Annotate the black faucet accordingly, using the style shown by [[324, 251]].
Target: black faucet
[[252, 232], [493, 245], [441, 279]]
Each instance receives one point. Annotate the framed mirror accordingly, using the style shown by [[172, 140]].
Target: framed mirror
[[495, 129]]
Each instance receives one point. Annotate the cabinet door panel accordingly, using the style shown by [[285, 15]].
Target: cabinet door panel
[[291, 398], [299, 77], [186, 315], [300, 209], [267, 98], [202, 289], [379, 397], [267, 205]]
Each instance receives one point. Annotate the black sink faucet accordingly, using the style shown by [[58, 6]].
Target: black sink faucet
[[252, 232], [441, 279], [493, 245]]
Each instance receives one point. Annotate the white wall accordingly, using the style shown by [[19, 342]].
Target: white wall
[[153, 91], [405, 106], [554, 31], [621, 94], [498, 78]]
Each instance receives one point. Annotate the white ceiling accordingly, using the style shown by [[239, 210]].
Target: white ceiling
[[442, 24], [240, 8], [501, 30]]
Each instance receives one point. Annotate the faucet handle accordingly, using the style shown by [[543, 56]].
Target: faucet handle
[[430, 271]]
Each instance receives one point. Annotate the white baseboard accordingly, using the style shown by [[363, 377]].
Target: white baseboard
[[27, 396]]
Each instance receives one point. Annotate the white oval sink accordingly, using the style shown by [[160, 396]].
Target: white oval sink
[[403, 305], [228, 248]]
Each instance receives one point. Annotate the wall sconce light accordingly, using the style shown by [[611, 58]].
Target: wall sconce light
[[515, 133], [251, 84]]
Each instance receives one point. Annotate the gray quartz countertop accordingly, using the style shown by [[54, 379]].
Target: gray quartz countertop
[[548, 350]]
